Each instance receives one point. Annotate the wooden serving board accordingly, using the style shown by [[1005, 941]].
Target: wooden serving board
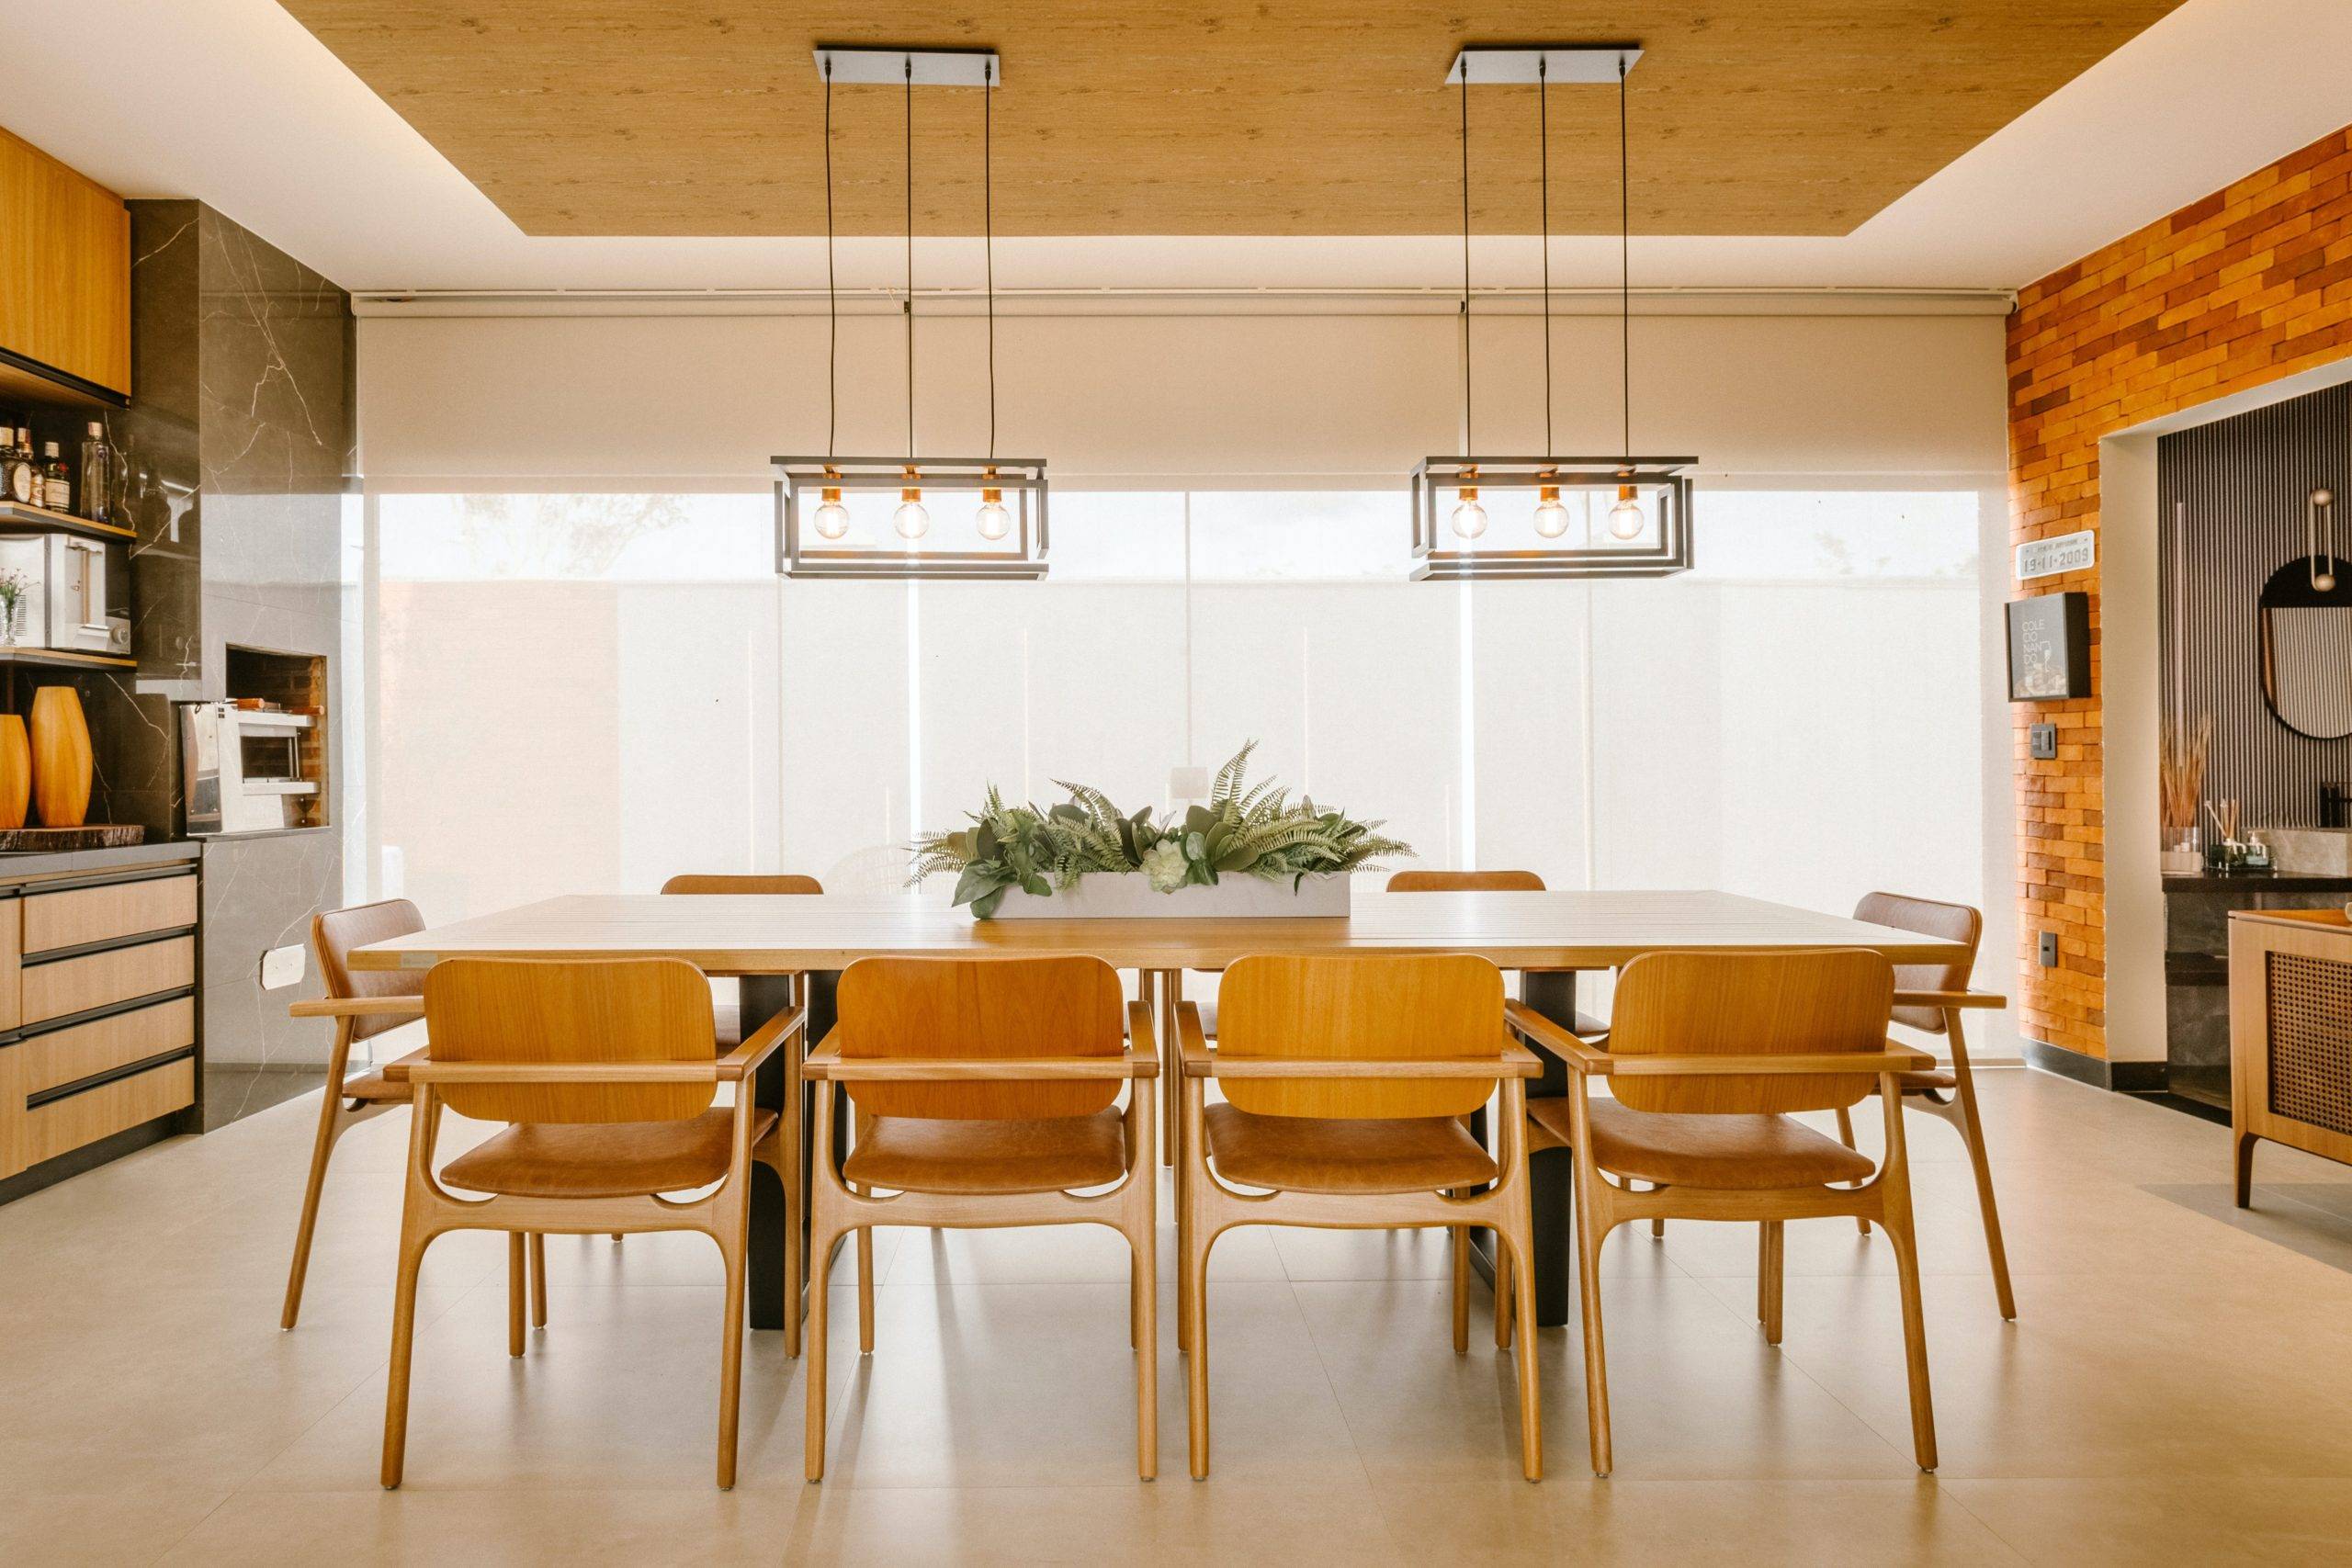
[[89, 836]]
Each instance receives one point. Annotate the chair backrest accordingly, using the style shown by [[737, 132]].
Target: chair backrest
[[788, 882], [1749, 1004], [1465, 882], [336, 931], [573, 1010], [1356, 1008], [1953, 923], [981, 1008]]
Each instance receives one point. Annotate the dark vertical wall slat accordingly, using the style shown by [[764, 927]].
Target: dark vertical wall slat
[[2235, 496]]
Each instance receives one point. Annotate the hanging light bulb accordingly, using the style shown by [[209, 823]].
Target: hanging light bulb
[[832, 517], [911, 520], [1627, 519], [1551, 517], [1469, 517], [994, 521]]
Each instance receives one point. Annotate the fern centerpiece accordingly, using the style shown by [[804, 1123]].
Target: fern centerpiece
[[1244, 831]]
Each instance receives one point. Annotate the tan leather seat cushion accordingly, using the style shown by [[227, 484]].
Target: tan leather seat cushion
[[603, 1160], [1311, 1154], [1934, 1077], [371, 1087], [1727, 1153], [1052, 1153]]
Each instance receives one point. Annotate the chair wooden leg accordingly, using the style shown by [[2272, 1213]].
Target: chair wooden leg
[[322, 1147], [2245, 1142], [1196, 1368], [396, 1380], [1518, 1241], [617, 1239], [538, 1262], [1845, 1137], [1592, 1229], [1503, 1293], [1769, 1274], [1894, 1214], [1142, 1247], [865, 1289], [1974, 1137], [812, 1352], [730, 1353], [515, 1290], [1461, 1236]]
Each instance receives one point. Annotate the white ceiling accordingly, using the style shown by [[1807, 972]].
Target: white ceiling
[[232, 102]]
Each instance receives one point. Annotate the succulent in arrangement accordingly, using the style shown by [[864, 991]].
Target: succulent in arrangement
[[1254, 832]]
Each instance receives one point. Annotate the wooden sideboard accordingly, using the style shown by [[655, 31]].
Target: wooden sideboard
[[98, 1034], [2290, 1034]]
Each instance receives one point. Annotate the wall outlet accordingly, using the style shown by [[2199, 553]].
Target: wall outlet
[[281, 968], [2048, 951], [2041, 741]]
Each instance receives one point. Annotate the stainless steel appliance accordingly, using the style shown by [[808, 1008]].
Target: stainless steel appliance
[[77, 592], [247, 769]]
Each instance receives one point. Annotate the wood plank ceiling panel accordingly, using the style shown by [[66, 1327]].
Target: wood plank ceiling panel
[[1149, 117]]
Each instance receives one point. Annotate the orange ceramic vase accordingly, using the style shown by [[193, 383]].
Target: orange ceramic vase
[[16, 770], [60, 749]]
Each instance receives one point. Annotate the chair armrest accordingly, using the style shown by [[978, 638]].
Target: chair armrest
[[1140, 1034], [830, 1065], [739, 1063], [1893, 1059], [1194, 1042], [1514, 1061], [1949, 999], [396, 1070], [1580, 1054], [358, 1007], [425, 1070]]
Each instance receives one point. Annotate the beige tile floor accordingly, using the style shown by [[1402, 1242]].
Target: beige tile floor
[[2175, 1389]]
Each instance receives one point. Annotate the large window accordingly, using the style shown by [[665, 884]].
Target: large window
[[590, 692]]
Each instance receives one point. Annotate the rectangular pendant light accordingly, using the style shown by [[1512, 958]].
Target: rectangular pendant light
[[866, 489], [1661, 489]]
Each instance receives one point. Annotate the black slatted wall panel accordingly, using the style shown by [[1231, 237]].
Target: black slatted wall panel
[[2235, 502]]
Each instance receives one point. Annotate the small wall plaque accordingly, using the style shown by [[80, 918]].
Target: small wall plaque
[[2049, 557]]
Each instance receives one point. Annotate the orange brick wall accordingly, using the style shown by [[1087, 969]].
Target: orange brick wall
[[2248, 285]]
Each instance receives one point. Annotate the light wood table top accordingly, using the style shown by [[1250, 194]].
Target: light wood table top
[[726, 934]]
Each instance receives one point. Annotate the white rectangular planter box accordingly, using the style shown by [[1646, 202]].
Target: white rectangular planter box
[[1132, 897]]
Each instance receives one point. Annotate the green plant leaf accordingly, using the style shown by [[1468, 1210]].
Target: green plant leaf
[[985, 908], [976, 882]]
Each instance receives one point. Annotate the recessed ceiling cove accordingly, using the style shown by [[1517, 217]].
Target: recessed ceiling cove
[[1145, 117]]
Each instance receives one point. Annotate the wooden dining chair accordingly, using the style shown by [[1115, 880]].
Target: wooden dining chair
[[984, 1092], [605, 1072], [366, 1006], [1709, 1053], [728, 1017], [1948, 1093], [1346, 1082], [1465, 882]]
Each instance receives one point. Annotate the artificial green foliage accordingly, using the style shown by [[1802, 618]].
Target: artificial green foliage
[[1256, 832]]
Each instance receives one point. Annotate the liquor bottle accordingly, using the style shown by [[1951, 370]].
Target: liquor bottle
[[57, 479], [19, 481], [101, 474]]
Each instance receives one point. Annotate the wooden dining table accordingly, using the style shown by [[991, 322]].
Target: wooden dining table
[[767, 941]]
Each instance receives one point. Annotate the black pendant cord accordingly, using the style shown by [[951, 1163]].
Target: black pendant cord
[[1468, 444], [832, 310], [987, 229], [1624, 264], [910, 256], [1544, 187]]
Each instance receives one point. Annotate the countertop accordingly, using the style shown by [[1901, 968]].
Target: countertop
[[21, 865], [2277, 880]]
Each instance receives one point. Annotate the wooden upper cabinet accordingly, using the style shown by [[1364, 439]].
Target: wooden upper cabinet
[[64, 269]]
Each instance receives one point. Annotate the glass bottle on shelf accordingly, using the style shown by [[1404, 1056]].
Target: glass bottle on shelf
[[57, 479], [19, 481], [101, 474]]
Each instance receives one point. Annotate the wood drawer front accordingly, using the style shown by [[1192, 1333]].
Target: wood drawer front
[[63, 1125], [75, 985], [68, 1055], [115, 910]]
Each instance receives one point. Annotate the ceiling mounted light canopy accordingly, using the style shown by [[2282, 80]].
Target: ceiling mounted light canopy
[[1610, 516], [846, 540]]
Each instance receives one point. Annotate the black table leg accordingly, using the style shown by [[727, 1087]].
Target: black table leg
[[765, 996], [1551, 1172]]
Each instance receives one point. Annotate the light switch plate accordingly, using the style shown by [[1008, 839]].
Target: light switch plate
[[281, 968], [2048, 951], [2041, 741]]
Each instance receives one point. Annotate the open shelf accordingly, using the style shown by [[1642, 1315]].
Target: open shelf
[[16, 517], [64, 659]]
